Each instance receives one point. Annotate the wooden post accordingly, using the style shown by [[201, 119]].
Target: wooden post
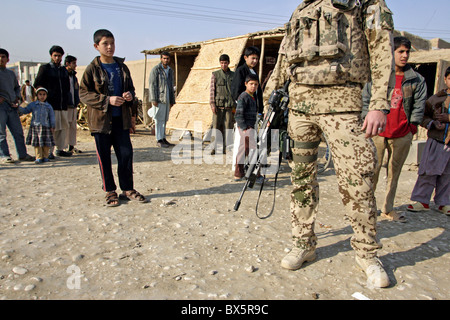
[[261, 59], [145, 77], [176, 72]]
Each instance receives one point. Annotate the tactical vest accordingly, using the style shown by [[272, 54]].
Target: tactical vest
[[325, 45], [223, 89]]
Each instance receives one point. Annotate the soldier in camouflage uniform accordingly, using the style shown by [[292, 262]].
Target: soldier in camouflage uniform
[[331, 49]]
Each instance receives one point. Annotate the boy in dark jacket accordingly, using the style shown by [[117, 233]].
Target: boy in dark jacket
[[108, 91], [434, 169], [251, 57], [245, 116], [71, 66]]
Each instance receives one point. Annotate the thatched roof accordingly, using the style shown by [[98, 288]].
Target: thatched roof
[[195, 46]]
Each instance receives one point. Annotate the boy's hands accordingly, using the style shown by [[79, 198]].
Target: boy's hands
[[116, 101], [127, 96], [438, 125], [15, 104], [119, 101], [442, 118]]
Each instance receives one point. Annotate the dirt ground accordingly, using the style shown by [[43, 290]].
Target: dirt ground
[[58, 240]]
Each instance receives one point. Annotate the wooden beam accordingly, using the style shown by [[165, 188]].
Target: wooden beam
[[145, 76], [261, 59], [176, 72]]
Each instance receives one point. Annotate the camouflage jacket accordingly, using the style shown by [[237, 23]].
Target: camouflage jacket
[[330, 53]]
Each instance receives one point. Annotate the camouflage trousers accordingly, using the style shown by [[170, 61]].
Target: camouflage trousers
[[354, 158]]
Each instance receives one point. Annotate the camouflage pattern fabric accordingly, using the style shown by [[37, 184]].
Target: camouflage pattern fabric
[[354, 159], [327, 77], [368, 56]]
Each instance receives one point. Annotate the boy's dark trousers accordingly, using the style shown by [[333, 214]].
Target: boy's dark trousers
[[120, 140]]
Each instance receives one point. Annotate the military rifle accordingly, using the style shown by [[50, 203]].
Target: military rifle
[[274, 118]]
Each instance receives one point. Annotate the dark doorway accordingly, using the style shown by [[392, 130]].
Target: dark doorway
[[428, 71]]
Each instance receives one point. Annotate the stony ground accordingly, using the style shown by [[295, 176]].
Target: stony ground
[[59, 241]]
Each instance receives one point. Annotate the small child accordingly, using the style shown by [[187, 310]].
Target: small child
[[40, 134], [434, 169], [246, 112]]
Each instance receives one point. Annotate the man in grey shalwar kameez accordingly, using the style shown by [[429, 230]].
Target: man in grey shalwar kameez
[[162, 96]]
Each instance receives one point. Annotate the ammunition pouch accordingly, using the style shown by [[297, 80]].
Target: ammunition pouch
[[344, 4], [320, 45]]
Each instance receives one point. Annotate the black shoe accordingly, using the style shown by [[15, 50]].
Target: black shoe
[[51, 156], [27, 158], [168, 143], [162, 144], [73, 150], [61, 153]]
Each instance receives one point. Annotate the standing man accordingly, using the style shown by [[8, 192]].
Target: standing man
[[328, 64], [54, 77], [407, 110], [222, 102], [162, 96], [28, 92], [9, 116], [74, 100]]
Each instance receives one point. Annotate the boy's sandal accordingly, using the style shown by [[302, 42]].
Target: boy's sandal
[[417, 206], [394, 216], [445, 210], [8, 160], [133, 195], [112, 200]]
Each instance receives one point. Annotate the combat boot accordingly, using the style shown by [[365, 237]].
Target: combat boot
[[294, 259], [373, 268]]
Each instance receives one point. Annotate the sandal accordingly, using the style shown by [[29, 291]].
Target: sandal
[[445, 210], [7, 160], [133, 195], [394, 216], [112, 200], [418, 206]]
